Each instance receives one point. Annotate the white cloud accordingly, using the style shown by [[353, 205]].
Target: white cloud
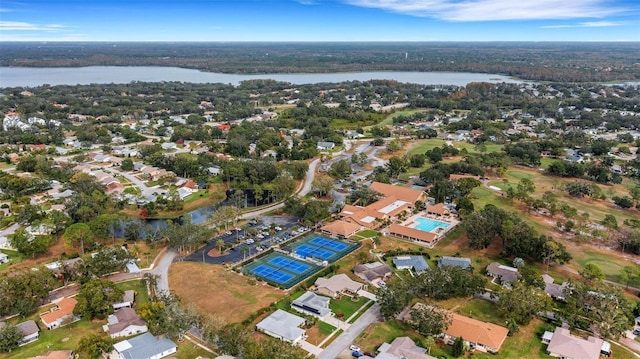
[[494, 10], [25, 26], [587, 24]]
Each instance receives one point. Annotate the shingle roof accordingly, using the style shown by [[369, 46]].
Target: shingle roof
[[143, 346], [505, 273], [125, 317], [341, 228], [455, 262], [372, 271], [403, 193], [29, 327], [417, 263], [313, 303], [566, 345], [283, 324], [338, 283]]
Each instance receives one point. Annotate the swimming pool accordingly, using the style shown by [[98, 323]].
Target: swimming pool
[[429, 225]]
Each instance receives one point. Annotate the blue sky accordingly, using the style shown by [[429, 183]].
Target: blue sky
[[320, 20]]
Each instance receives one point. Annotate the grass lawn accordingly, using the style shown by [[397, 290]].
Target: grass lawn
[[189, 350], [136, 285], [480, 309], [368, 233], [64, 338], [610, 266], [213, 289], [376, 334], [524, 344], [423, 146], [14, 258], [346, 306]]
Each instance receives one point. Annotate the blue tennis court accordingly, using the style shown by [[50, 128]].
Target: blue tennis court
[[272, 274], [280, 270], [307, 250], [289, 264], [329, 243]]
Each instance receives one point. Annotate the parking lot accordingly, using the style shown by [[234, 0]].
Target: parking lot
[[270, 231]]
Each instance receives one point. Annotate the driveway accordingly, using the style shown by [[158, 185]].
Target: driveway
[[372, 315]]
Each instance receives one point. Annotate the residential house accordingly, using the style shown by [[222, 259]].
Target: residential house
[[562, 344], [312, 304], [128, 298], [478, 335], [61, 315], [5, 244], [374, 273], [29, 329], [184, 192], [42, 229], [169, 146], [411, 234], [214, 170], [414, 263], [145, 346], [341, 229], [4, 258], [402, 348], [56, 354], [464, 263], [505, 275], [125, 322], [555, 291], [337, 285], [324, 146], [284, 326]]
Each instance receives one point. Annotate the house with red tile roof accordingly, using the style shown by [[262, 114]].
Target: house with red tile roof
[[61, 315]]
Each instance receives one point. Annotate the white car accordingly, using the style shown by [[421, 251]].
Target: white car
[[259, 236], [354, 348]]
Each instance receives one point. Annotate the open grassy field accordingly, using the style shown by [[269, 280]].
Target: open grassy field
[[422, 146], [213, 289], [65, 338]]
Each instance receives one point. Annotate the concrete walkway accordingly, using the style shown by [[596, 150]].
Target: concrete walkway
[[310, 348]]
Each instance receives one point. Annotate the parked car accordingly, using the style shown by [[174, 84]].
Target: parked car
[[636, 331], [369, 354], [354, 348], [356, 354]]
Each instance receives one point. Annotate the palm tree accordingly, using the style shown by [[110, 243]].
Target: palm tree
[[220, 244]]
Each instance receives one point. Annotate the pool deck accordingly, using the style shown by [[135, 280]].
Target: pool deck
[[451, 220]]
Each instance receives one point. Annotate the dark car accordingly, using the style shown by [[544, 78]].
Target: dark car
[[369, 354], [636, 331], [356, 354]]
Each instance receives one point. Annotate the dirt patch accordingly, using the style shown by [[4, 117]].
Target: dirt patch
[[214, 252], [213, 289]]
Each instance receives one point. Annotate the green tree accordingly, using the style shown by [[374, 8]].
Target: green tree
[[629, 274], [10, 337], [94, 346], [27, 244], [428, 320], [78, 234], [610, 221], [127, 164], [392, 299], [96, 298], [522, 302], [340, 169], [233, 338], [592, 272], [322, 185], [458, 347]]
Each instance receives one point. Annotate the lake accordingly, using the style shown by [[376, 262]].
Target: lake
[[32, 77]]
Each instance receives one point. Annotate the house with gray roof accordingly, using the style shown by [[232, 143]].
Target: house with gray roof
[[3, 258], [464, 263], [145, 346], [313, 304], [506, 275], [402, 348], [284, 326], [124, 322], [414, 263], [374, 273], [323, 146], [30, 331], [555, 291]]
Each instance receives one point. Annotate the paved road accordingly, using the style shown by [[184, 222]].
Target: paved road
[[341, 343]]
